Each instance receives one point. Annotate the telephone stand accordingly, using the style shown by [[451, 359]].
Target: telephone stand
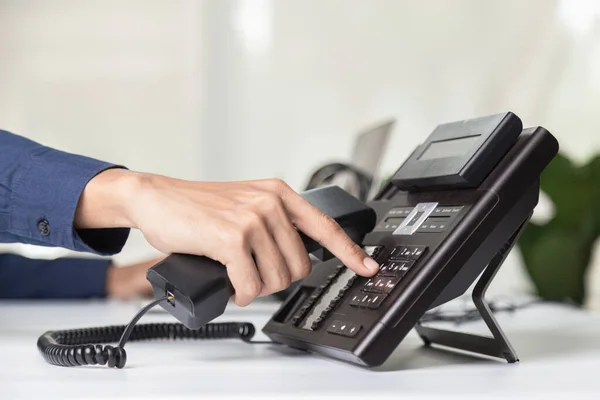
[[496, 346]]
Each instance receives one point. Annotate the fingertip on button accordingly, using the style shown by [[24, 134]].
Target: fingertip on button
[[371, 264]]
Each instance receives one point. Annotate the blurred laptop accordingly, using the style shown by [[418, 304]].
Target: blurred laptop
[[367, 155]]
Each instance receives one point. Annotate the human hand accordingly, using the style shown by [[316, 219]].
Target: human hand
[[247, 226], [129, 281]]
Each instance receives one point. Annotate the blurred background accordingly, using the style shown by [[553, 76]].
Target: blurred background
[[245, 89]]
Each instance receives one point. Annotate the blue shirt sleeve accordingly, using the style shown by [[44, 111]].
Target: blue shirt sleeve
[[40, 188], [62, 278]]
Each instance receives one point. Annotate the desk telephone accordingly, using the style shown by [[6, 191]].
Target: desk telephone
[[450, 214]]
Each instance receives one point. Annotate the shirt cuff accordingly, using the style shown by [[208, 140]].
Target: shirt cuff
[[45, 198]]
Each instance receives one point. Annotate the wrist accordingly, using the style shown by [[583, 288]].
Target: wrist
[[128, 281], [107, 198], [118, 283]]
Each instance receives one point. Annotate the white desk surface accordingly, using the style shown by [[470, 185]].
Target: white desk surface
[[559, 348]]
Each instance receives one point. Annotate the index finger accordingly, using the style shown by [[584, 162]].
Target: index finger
[[328, 233]]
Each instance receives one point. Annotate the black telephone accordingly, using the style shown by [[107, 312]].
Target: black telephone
[[450, 213]]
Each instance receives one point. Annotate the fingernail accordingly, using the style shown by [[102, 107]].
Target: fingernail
[[371, 264]]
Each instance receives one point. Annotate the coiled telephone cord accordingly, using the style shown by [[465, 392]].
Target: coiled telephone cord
[[78, 347]]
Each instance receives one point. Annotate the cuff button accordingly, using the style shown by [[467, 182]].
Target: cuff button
[[44, 227]]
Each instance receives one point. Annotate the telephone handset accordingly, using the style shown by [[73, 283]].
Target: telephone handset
[[199, 286], [450, 213]]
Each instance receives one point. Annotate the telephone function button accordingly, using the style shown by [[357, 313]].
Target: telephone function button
[[369, 300], [375, 300], [440, 219], [446, 211], [303, 309], [394, 218], [400, 211], [331, 276], [434, 225], [352, 330], [359, 300], [316, 323], [334, 326], [344, 328], [332, 304], [313, 298]]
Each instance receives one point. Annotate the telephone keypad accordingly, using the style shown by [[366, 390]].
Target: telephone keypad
[[391, 271], [371, 294]]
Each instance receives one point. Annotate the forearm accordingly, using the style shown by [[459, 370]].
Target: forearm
[[40, 192]]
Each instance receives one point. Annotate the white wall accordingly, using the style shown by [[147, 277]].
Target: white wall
[[115, 80], [233, 89]]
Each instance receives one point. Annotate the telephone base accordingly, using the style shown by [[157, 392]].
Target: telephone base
[[496, 346]]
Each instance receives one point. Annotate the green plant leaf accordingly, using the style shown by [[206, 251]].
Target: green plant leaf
[[569, 188], [594, 168], [557, 263]]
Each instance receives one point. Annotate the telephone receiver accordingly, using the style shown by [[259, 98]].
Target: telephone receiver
[[198, 287]]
